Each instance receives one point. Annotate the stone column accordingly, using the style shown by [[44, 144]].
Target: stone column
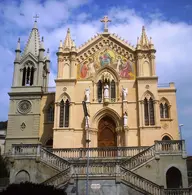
[[57, 110], [141, 114], [152, 59], [73, 70], [156, 112], [126, 136]]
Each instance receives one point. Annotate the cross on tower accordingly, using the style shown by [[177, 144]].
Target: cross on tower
[[105, 20], [36, 16]]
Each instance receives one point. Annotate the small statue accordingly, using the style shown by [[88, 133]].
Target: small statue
[[106, 91], [125, 120], [124, 93], [87, 95]]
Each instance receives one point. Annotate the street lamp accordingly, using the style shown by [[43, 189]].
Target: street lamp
[[180, 125]]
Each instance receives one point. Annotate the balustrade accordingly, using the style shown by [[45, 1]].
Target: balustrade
[[183, 191], [59, 179], [107, 152], [140, 182], [96, 169], [26, 149], [170, 147], [54, 160], [139, 158]]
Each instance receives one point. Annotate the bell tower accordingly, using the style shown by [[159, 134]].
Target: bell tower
[[147, 85], [30, 81]]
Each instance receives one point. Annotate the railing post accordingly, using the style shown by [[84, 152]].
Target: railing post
[[13, 150], [184, 153], [162, 191], [156, 148], [39, 150]]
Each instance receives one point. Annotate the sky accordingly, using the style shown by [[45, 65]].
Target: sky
[[168, 22]]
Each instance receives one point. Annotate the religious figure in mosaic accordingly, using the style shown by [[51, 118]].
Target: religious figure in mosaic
[[105, 58], [84, 70], [125, 69], [91, 68]]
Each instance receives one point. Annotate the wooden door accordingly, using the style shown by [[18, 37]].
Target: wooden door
[[106, 133]]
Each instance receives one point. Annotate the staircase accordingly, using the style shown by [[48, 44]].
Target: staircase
[[139, 159], [118, 167], [53, 160], [142, 184], [61, 178]]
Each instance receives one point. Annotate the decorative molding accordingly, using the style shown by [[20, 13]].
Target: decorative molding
[[23, 126]]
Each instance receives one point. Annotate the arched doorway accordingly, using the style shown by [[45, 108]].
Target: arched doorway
[[22, 176], [174, 178], [106, 132]]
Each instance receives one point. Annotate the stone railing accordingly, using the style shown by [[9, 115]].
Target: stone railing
[[54, 160], [183, 191], [107, 152], [141, 183], [99, 169], [26, 149], [60, 178], [139, 159], [170, 147]]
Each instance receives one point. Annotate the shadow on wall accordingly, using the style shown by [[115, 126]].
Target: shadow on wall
[[47, 121]]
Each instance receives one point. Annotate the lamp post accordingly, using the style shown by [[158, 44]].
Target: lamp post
[[180, 125], [87, 143]]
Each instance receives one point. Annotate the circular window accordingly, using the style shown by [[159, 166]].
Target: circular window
[[24, 106]]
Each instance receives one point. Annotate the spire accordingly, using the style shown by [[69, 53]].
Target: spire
[[18, 51], [47, 56], [68, 43], [33, 43], [18, 45], [42, 44], [144, 42], [60, 46], [151, 44]]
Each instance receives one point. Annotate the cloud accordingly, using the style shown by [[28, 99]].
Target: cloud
[[172, 40]]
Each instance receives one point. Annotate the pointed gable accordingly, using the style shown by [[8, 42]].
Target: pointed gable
[[106, 49]]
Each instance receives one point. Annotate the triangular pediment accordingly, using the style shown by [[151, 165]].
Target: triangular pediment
[[27, 57], [106, 50]]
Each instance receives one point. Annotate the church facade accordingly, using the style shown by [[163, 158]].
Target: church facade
[[118, 82], [106, 96]]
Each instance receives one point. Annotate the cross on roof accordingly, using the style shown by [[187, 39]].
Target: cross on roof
[[36, 16], [105, 20]]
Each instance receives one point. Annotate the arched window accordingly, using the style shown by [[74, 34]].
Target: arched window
[[149, 112], [166, 138], [49, 143], [146, 111], [64, 113], [28, 74], [164, 110], [113, 91], [50, 113], [161, 111], [24, 74], [99, 91]]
